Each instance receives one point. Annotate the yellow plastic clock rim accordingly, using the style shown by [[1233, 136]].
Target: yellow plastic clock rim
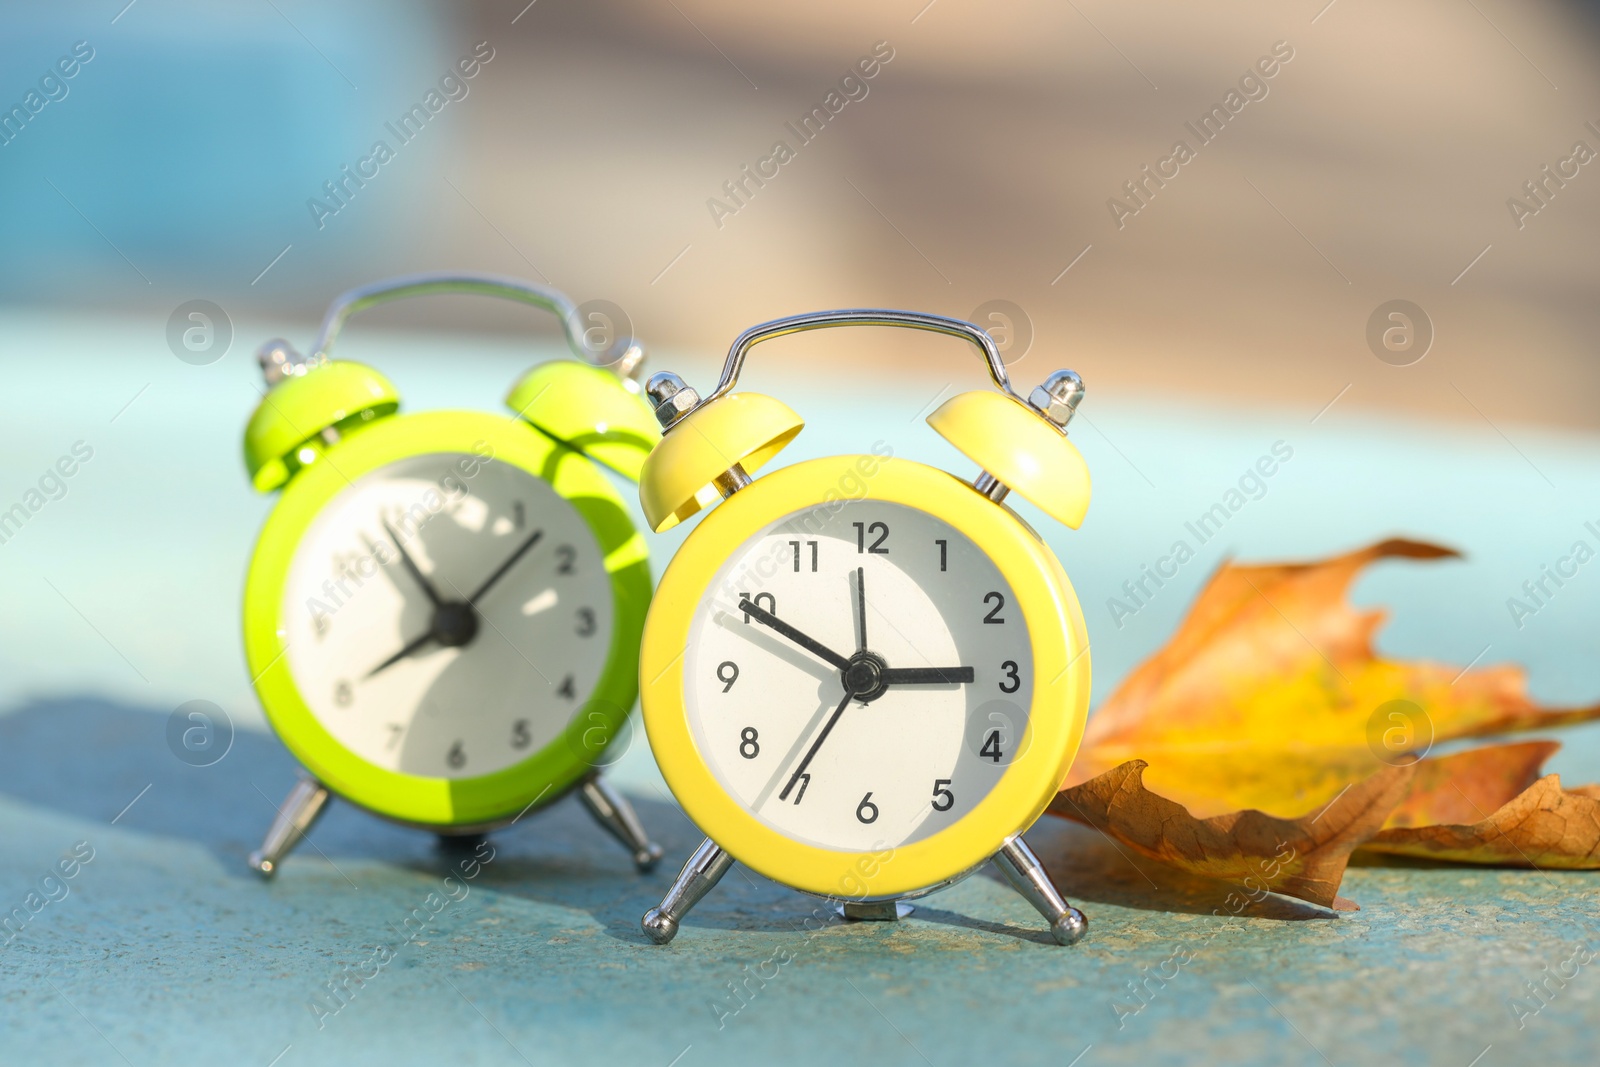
[[429, 801], [1056, 718]]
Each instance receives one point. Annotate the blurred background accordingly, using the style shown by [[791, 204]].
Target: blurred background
[[978, 167], [203, 152], [1373, 258]]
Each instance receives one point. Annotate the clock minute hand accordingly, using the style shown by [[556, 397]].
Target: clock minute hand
[[925, 675], [849, 695], [411, 565], [772, 622], [500, 572], [861, 610]]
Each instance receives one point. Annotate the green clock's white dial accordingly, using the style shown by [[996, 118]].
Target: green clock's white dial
[[859, 675], [447, 616]]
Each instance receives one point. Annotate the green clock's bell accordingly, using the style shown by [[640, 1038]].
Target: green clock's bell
[[312, 404]]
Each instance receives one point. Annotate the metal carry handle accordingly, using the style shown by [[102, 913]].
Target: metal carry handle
[[624, 355], [817, 320]]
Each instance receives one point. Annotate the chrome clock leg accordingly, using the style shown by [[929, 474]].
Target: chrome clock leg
[[703, 871], [294, 819], [613, 812], [1024, 871]]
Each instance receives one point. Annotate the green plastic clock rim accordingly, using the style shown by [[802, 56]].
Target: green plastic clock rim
[[544, 775]]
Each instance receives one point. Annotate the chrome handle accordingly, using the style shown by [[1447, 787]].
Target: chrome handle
[[818, 320], [624, 355]]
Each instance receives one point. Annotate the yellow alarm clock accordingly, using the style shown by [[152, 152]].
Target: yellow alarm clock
[[861, 676], [443, 610]]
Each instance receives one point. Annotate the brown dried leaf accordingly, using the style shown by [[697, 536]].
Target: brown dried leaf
[[1265, 696], [1303, 857], [1270, 700], [1465, 787], [1534, 822]]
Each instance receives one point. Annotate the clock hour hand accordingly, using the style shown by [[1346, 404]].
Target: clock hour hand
[[411, 565], [924, 675], [411, 646], [849, 695], [500, 572], [772, 622]]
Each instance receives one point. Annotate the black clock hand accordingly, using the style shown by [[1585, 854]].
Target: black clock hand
[[411, 565], [861, 610], [771, 621], [924, 675], [532, 540], [901, 675], [454, 622], [411, 646], [849, 695]]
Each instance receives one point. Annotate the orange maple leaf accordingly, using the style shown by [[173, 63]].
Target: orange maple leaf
[[1270, 701]]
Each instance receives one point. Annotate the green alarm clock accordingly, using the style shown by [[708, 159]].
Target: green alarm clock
[[443, 611]]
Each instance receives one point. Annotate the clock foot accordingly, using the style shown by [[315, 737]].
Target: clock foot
[[294, 819], [874, 910], [460, 844], [703, 871], [1027, 875], [613, 812]]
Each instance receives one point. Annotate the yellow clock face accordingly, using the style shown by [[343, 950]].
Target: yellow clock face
[[898, 673]]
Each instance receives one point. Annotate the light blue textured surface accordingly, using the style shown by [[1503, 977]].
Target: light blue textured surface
[[124, 599]]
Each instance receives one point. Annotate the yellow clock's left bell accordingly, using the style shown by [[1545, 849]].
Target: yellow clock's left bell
[[442, 613]]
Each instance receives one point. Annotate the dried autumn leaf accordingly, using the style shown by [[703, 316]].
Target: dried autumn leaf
[[1302, 857], [1270, 700], [1489, 805], [1265, 696], [1467, 786]]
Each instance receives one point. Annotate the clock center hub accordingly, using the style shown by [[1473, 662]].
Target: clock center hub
[[454, 623], [864, 676]]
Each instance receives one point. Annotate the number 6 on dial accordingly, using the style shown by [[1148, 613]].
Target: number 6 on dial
[[862, 676]]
